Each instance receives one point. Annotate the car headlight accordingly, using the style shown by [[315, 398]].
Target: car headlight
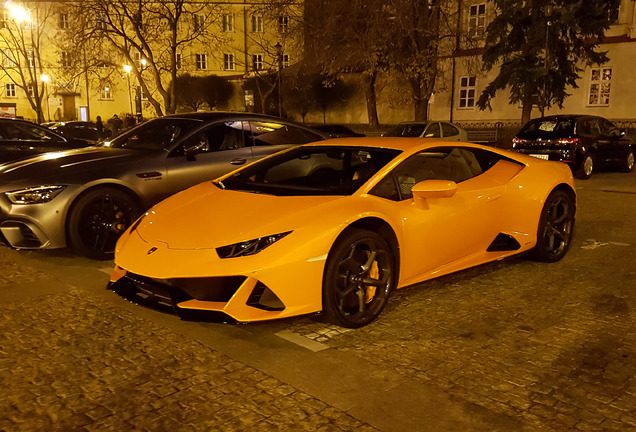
[[34, 195], [249, 247]]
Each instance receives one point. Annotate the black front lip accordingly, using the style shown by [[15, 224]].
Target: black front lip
[[165, 299]]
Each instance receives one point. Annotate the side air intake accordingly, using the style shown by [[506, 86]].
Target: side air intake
[[503, 242]]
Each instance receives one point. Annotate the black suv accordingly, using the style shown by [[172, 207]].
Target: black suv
[[581, 141]]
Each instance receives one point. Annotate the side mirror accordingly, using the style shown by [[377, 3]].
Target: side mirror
[[427, 189], [194, 146]]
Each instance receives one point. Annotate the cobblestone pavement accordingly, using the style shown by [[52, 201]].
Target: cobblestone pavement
[[74, 363]]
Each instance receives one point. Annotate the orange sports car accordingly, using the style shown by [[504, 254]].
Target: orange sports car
[[336, 226]]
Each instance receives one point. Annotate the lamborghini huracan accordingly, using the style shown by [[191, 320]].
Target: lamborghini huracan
[[335, 226]]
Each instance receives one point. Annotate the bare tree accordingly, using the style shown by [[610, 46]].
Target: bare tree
[[150, 36], [345, 37], [23, 39]]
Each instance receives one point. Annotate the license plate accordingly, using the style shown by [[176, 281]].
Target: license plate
[[541, 156]]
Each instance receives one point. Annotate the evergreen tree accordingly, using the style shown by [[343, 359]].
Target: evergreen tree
[[539, 47]]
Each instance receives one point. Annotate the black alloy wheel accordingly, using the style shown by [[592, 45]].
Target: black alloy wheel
[[586, 168], [628, 163], [360, 274], [556, 226], [98, 219]]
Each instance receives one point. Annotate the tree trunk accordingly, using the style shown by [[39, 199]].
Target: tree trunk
[[420, 99], [369, 78], [526, 110]]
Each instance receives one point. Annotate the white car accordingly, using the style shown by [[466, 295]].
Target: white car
[[429, 129]]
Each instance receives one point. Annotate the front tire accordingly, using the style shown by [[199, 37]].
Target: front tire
[[628, 162], [360, 274], [586, 167], [97, 220], [556, 226]]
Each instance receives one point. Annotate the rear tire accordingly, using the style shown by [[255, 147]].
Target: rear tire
[[97, 220], [628, 162], [359, 276], [586, 167], [556, 226]]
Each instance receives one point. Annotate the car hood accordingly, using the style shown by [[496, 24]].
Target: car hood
[[205, 216], [64, 165]]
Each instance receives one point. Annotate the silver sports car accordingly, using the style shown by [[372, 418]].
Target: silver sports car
[[85, 198]]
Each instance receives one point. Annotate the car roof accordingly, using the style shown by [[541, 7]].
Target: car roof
[[218, 115], [396, 143]]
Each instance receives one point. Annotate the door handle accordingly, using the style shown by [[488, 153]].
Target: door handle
[[149, 174], [238, 161], [494, 197]]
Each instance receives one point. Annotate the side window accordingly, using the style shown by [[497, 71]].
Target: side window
[[218, 137], [433, 131], [265, 133], [449, 130], [443, 163], [594, 127]]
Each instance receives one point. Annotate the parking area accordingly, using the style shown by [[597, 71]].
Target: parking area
[[511, 345]]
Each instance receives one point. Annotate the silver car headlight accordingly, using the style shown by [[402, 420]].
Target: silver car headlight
[[249, 247], [34, 195]]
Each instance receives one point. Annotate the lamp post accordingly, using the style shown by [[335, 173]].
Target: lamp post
[[45, 79], [127, 69], [279, 58], [547, 11]]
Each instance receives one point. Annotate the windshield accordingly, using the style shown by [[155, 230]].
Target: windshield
[[547, 129], [407, 130], [311, 170], [155, 134]]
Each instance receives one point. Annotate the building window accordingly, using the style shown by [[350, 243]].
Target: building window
[[30, 90], [257, 24], [65, 59], [178, 60], [139, 60], [257, 62], [614, 14], [198, 21], [4, 19], [8, 59], [285, 60], [101, 22], [30, 57], [477, 20], [600, 86], [106, 92], [202, 61], [9, 90], [228, 23], [283, 24], [467, 92], [228, 62], [63, 21], [140, 92]]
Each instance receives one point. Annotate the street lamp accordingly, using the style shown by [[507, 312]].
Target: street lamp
[[127, 69], [45, 79], [279, 57]]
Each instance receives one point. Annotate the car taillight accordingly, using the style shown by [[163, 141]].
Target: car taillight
[[516, 141], [567, 141]]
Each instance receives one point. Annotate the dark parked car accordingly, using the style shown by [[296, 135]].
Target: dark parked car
[[582, 141], [429, 129], [87, 197], [86, 131], [19, 139], [337, 130]]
